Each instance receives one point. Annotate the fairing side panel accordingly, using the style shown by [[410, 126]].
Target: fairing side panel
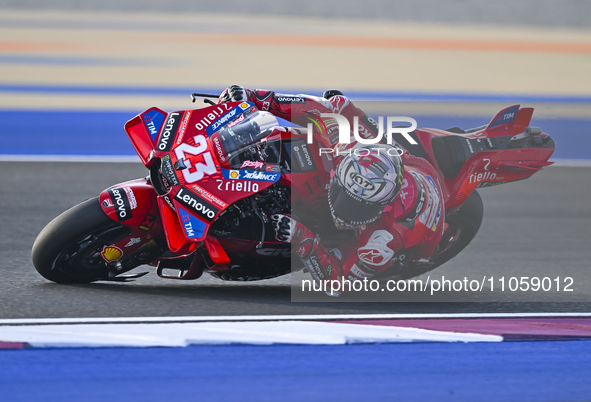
[[129, 203], [487, 159]]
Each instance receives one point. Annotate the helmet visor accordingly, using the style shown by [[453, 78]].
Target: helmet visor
[[352, 210]]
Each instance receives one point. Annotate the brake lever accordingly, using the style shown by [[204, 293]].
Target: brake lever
[[263, 219]]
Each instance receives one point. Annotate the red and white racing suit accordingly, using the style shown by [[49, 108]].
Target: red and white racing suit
[[410, 228]]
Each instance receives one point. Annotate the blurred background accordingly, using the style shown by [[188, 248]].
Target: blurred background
[[94, 64]]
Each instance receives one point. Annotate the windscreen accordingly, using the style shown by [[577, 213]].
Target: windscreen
[[246, 145]]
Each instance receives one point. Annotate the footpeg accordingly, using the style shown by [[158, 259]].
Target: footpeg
[[190, 267], [519, 139], [123, 278]]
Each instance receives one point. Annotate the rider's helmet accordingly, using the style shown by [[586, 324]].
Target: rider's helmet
[[364, 183]]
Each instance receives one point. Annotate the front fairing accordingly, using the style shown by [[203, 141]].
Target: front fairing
[[199, 181]]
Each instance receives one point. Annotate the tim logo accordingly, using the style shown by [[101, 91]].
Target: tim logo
[[188, 226], [151, 126], [506, 116], [194, 228], [153, 120]]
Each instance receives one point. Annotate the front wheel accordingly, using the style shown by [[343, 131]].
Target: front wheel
[[68, 249]]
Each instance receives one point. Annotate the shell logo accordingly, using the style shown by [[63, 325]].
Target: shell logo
[[234, 174], [111, 253], [244, 105]]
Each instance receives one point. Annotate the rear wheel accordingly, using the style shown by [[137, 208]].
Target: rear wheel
[[462, 228], [68, 249]]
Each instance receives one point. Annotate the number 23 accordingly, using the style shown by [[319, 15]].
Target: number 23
[[201, 169]]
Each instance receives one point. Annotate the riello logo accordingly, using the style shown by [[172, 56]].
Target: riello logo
[[484, 176]]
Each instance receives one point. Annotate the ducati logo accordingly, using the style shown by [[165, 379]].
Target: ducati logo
[[132, 241]]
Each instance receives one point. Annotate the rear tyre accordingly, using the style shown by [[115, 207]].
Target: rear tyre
[[68, 249], [466, 221], [462, 228]]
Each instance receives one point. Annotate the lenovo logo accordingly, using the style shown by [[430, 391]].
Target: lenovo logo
[[122, 207], [191, 200], [170, 129]]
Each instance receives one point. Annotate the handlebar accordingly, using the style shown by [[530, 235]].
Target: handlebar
[[196, 95]]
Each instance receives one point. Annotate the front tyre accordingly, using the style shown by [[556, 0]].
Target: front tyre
[[68, 249]]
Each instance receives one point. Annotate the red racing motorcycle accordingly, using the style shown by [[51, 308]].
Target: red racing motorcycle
[[217, 174]]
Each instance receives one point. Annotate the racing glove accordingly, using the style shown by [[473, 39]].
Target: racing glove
[[288, 230], [234, 93], [321, 264], [284, 227]]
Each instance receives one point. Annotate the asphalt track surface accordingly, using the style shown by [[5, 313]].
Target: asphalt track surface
[[536, 227]]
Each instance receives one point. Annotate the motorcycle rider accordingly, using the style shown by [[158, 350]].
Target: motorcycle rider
[[393, 200]]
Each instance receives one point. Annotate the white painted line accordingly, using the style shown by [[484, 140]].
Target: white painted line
[[71, 158], [223, 333], [242, 318]]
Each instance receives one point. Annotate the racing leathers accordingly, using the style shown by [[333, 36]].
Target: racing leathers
[[410, 227]]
